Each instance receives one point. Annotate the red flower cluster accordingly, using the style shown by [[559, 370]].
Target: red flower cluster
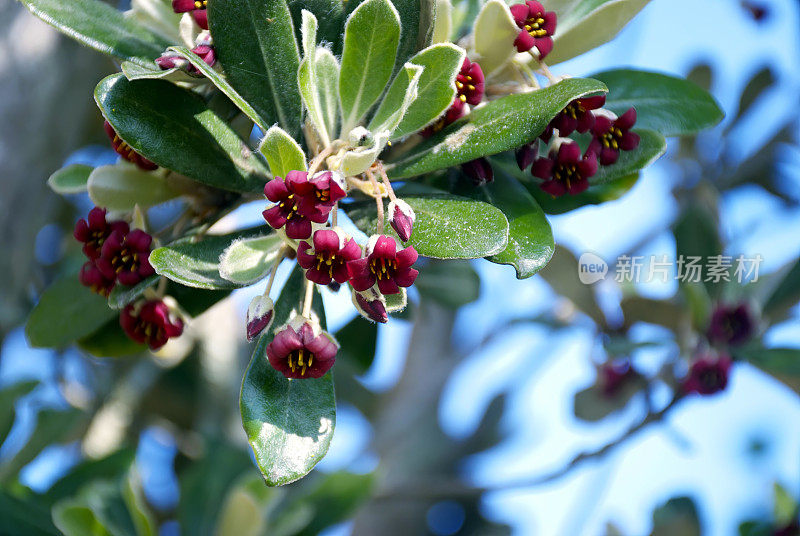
[[150, 323], [708, 375], [115, 253], [196, 7], [564, 169], [125, 150], [301, 350], [301, 201], [537, 27], [204, 49]]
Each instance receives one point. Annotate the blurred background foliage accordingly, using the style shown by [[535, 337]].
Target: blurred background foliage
[[426, 442]]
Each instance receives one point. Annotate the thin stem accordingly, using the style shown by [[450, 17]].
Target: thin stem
[[317, 161], [335, 216], [281, 255], [546, 71], [162, 287], [378, 199], [309, 298], [385, 179]]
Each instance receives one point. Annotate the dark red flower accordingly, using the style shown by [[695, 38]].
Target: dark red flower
[[299, 202], [614, 375], [150, 323], [370, 305], [538, 27], [454, 113], [125, 150], [301, 350], [565, 171], [170, 60], [708, 375], [577, 116], [197, 9], [613, 136], [259, 316], [469, 83], [94, 230], [327, 260], [479, 170], [385, 265], [731, 324], [402, 218], [126, 257], [91, 277], [526, 154]]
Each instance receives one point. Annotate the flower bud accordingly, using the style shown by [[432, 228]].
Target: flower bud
[[259, 316], [370, 304], [401, 218]]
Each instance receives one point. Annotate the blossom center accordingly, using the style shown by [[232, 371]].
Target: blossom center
[[329, 259], [290, 209], [200, 4], [382, 267], [533, 25], [711, 379], [612, 138], [302, 359], [566, 173], [461, 85], [323, 195], [126, 260], [574, 109]]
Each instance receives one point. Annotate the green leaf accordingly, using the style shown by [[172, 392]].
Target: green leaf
[[447, 226], [697, 235], [452, 284], [122, 186], [134, 71], [436, 87], [307, 77], [289, 423], [667, 104], [777, 361], [109, 467], [358, 160], [71, 179], [494, 32], [785, 295], [328, 87], [330, 17], [8, 398], [174, 128], [584, 25], [418, 19], [282, 152], [66, 312], [678, 516], [247, 507], [754, 89], [561, 273], [122, 295], [401, 94], [592, 404], [501, 125], [256, 46], [24, 516], [335, 499], [102, 27], [371, 37], [650, 149], [110, 341], [443, 25], [359, 339], [248, 260], [222, 84], [196, 264]]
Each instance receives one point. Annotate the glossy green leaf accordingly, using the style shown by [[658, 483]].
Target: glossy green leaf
[[584, 25], [256, 46], [449, 283], [667, 104], [102, 27], [249, 260], [530, 238], [436, 89], [447, 226], [174, 128], [196, 264], [122, 295], [650, 149], [494, 33], [222, 84], [400, 95], [122, 186], [71, 179], [282, 152], [359, 339], [371, 37], [328, 88], [501, 125], [66, 312], [289, 423], [8, 397]]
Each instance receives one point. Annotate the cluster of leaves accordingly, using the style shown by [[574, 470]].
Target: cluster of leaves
[[281, 73]]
